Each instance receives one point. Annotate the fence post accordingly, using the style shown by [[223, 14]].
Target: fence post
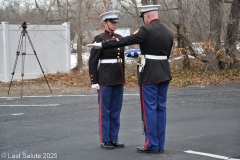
[[68, 51], [6, 51]]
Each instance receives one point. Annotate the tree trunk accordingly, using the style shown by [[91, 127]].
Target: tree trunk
[[79, 41], [232, 33], [79, 53], [215, 33]]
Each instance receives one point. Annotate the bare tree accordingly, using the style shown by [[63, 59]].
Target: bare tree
[[79, 36], [233, 33], [215, 32], [194, 20], [75, 11]]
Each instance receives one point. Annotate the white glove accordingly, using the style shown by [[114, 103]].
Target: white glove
[[142, 62], [95, 45], [95, 86]]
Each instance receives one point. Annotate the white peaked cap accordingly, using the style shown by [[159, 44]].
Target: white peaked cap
[[110, 15], [147, 8]]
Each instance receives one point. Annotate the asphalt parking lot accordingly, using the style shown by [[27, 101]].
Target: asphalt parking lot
[[203, 123]]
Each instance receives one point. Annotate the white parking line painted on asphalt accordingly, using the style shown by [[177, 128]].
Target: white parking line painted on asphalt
[[48, 96], [17, 114], [88, 95], [210, 155], [26, 105]]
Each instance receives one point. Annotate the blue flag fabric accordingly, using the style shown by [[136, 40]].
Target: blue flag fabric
[[132, 53]]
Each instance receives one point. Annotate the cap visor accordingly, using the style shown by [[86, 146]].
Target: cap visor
[[115, 21]]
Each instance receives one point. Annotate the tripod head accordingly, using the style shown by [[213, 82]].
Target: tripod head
[[24, 25]]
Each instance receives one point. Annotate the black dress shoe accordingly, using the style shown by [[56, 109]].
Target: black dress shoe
[[142, 150], [117, 144], [161, 151], [107, 145]]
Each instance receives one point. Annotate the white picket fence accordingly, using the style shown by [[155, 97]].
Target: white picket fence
[[51, 44]]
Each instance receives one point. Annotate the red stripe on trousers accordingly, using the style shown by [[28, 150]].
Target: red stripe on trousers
[[100, 114], [145, 120]]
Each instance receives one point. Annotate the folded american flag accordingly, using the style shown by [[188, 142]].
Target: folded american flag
[[132, 53]]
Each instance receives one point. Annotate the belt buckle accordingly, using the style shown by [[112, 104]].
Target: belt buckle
[[118, 60]]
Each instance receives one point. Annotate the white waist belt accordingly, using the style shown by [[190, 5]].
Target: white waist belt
[[109, 61], [155, 57]]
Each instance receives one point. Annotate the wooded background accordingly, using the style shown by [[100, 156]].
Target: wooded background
[[206, 29]]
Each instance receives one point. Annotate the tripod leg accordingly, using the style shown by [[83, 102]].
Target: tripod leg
[[23, 62], [22, 72], [38, 60], [15, 64]]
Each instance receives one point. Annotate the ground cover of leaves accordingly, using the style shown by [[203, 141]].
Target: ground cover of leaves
[[78, 82]]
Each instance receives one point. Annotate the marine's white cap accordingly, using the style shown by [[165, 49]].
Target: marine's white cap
[[112, 16], [147, 8]]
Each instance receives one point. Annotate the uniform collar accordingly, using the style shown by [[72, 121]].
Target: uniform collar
[[110, 33], [154, 20]]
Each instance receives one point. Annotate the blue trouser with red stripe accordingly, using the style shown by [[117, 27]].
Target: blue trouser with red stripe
[[110, 105], [153, 101]]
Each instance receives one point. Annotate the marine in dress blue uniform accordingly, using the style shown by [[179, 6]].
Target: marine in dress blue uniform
[[106, 70], [155, 42]]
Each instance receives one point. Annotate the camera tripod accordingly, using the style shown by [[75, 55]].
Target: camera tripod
[[22, 48]]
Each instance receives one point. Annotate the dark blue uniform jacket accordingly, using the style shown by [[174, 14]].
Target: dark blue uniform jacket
[[106, 73], [153, 39]]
